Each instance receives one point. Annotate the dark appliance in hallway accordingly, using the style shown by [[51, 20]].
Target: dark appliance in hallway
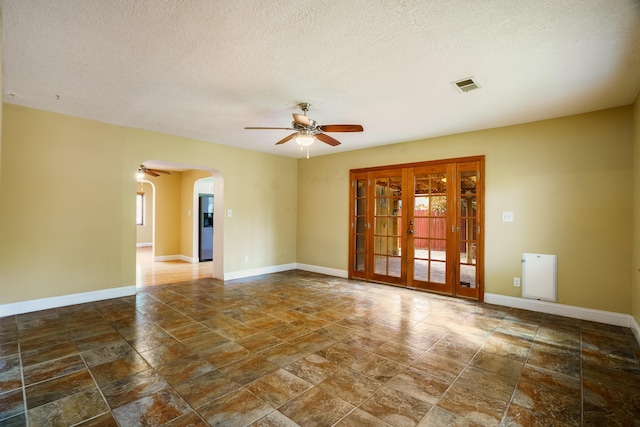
[[205, 251]]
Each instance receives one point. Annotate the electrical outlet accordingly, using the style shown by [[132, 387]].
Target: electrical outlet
[[516, 282], [246, 258]]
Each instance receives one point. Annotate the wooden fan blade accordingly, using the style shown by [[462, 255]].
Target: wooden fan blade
[[268, 128], [301, 119], [158, 171], [327, 139], [148, 172], [341, 128], [286, 138]]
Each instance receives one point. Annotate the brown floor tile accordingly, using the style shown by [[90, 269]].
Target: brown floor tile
[[45, 354], [461, 347], [99, 340], [190, 330], [9, 348], [10, 377], [104, 420], [235, 409], [351, 386], [203, 344], [207, 387], [315, 407], [238, 332], [342, 354], [163, 354], [284, 354], [313, 368], [502, 366], [51, 369], [419, 384], [190, 419], [396, 407], [508, 346], [278, 387], [377, 367], [550, 356], [474, 405], [185, 369], [274, 419], [58, 388], [549, 395], [69, 410], [112, 351], [226, 354], [152, 410], [249, 369], [438, 417], [358, 417], [131, 363], [443, 367], [11, 404], [133, 387], [260, 341]]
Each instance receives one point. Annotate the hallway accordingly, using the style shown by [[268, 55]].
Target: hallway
[[150, 273]]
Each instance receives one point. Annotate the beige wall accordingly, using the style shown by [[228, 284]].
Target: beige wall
[[77, 232], [568, 182], [166, 240], [635, 264]]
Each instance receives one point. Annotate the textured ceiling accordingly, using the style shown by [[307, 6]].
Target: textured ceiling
[[206, 69]]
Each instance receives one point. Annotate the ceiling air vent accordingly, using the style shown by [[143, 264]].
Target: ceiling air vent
[[466, 85]]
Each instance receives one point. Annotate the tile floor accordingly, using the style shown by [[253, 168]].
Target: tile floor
[[298, 348]]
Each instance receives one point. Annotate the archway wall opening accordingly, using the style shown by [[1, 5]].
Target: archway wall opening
[[255, 204]]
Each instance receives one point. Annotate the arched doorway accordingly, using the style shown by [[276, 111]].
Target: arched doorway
[[173, 256]]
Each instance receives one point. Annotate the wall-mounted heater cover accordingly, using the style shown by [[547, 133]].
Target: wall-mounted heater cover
[[539, 277]]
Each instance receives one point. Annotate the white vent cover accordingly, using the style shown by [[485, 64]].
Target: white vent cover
[[466, 85], [539, 276]]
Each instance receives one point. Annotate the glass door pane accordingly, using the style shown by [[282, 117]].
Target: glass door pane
[[467, 229], [358, 220], [428, 224], [387, 226]]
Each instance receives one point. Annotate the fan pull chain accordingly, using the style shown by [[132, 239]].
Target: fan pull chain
[[307, 152]]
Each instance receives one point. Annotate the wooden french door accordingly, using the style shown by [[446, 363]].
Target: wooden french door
[[419, 226]]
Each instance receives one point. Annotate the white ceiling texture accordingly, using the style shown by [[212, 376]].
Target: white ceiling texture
[[205, 69]]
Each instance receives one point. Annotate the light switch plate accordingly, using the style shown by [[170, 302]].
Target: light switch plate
[[507, 216]]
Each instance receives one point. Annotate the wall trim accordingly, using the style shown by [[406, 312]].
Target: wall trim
[[174, 258], [575, 312], [258, 271], [64, 300], [323, 270], [144, 245]]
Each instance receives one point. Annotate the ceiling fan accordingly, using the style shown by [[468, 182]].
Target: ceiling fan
[[307, 130], [142, 170]]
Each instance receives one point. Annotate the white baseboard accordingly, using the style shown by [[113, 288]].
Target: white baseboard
[[143, 245], [593, 315], [258, 271], [174, 258], [323, 270], [64, 300]]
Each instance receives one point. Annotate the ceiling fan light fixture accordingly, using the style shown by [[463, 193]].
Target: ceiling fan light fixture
[[304, 140]]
